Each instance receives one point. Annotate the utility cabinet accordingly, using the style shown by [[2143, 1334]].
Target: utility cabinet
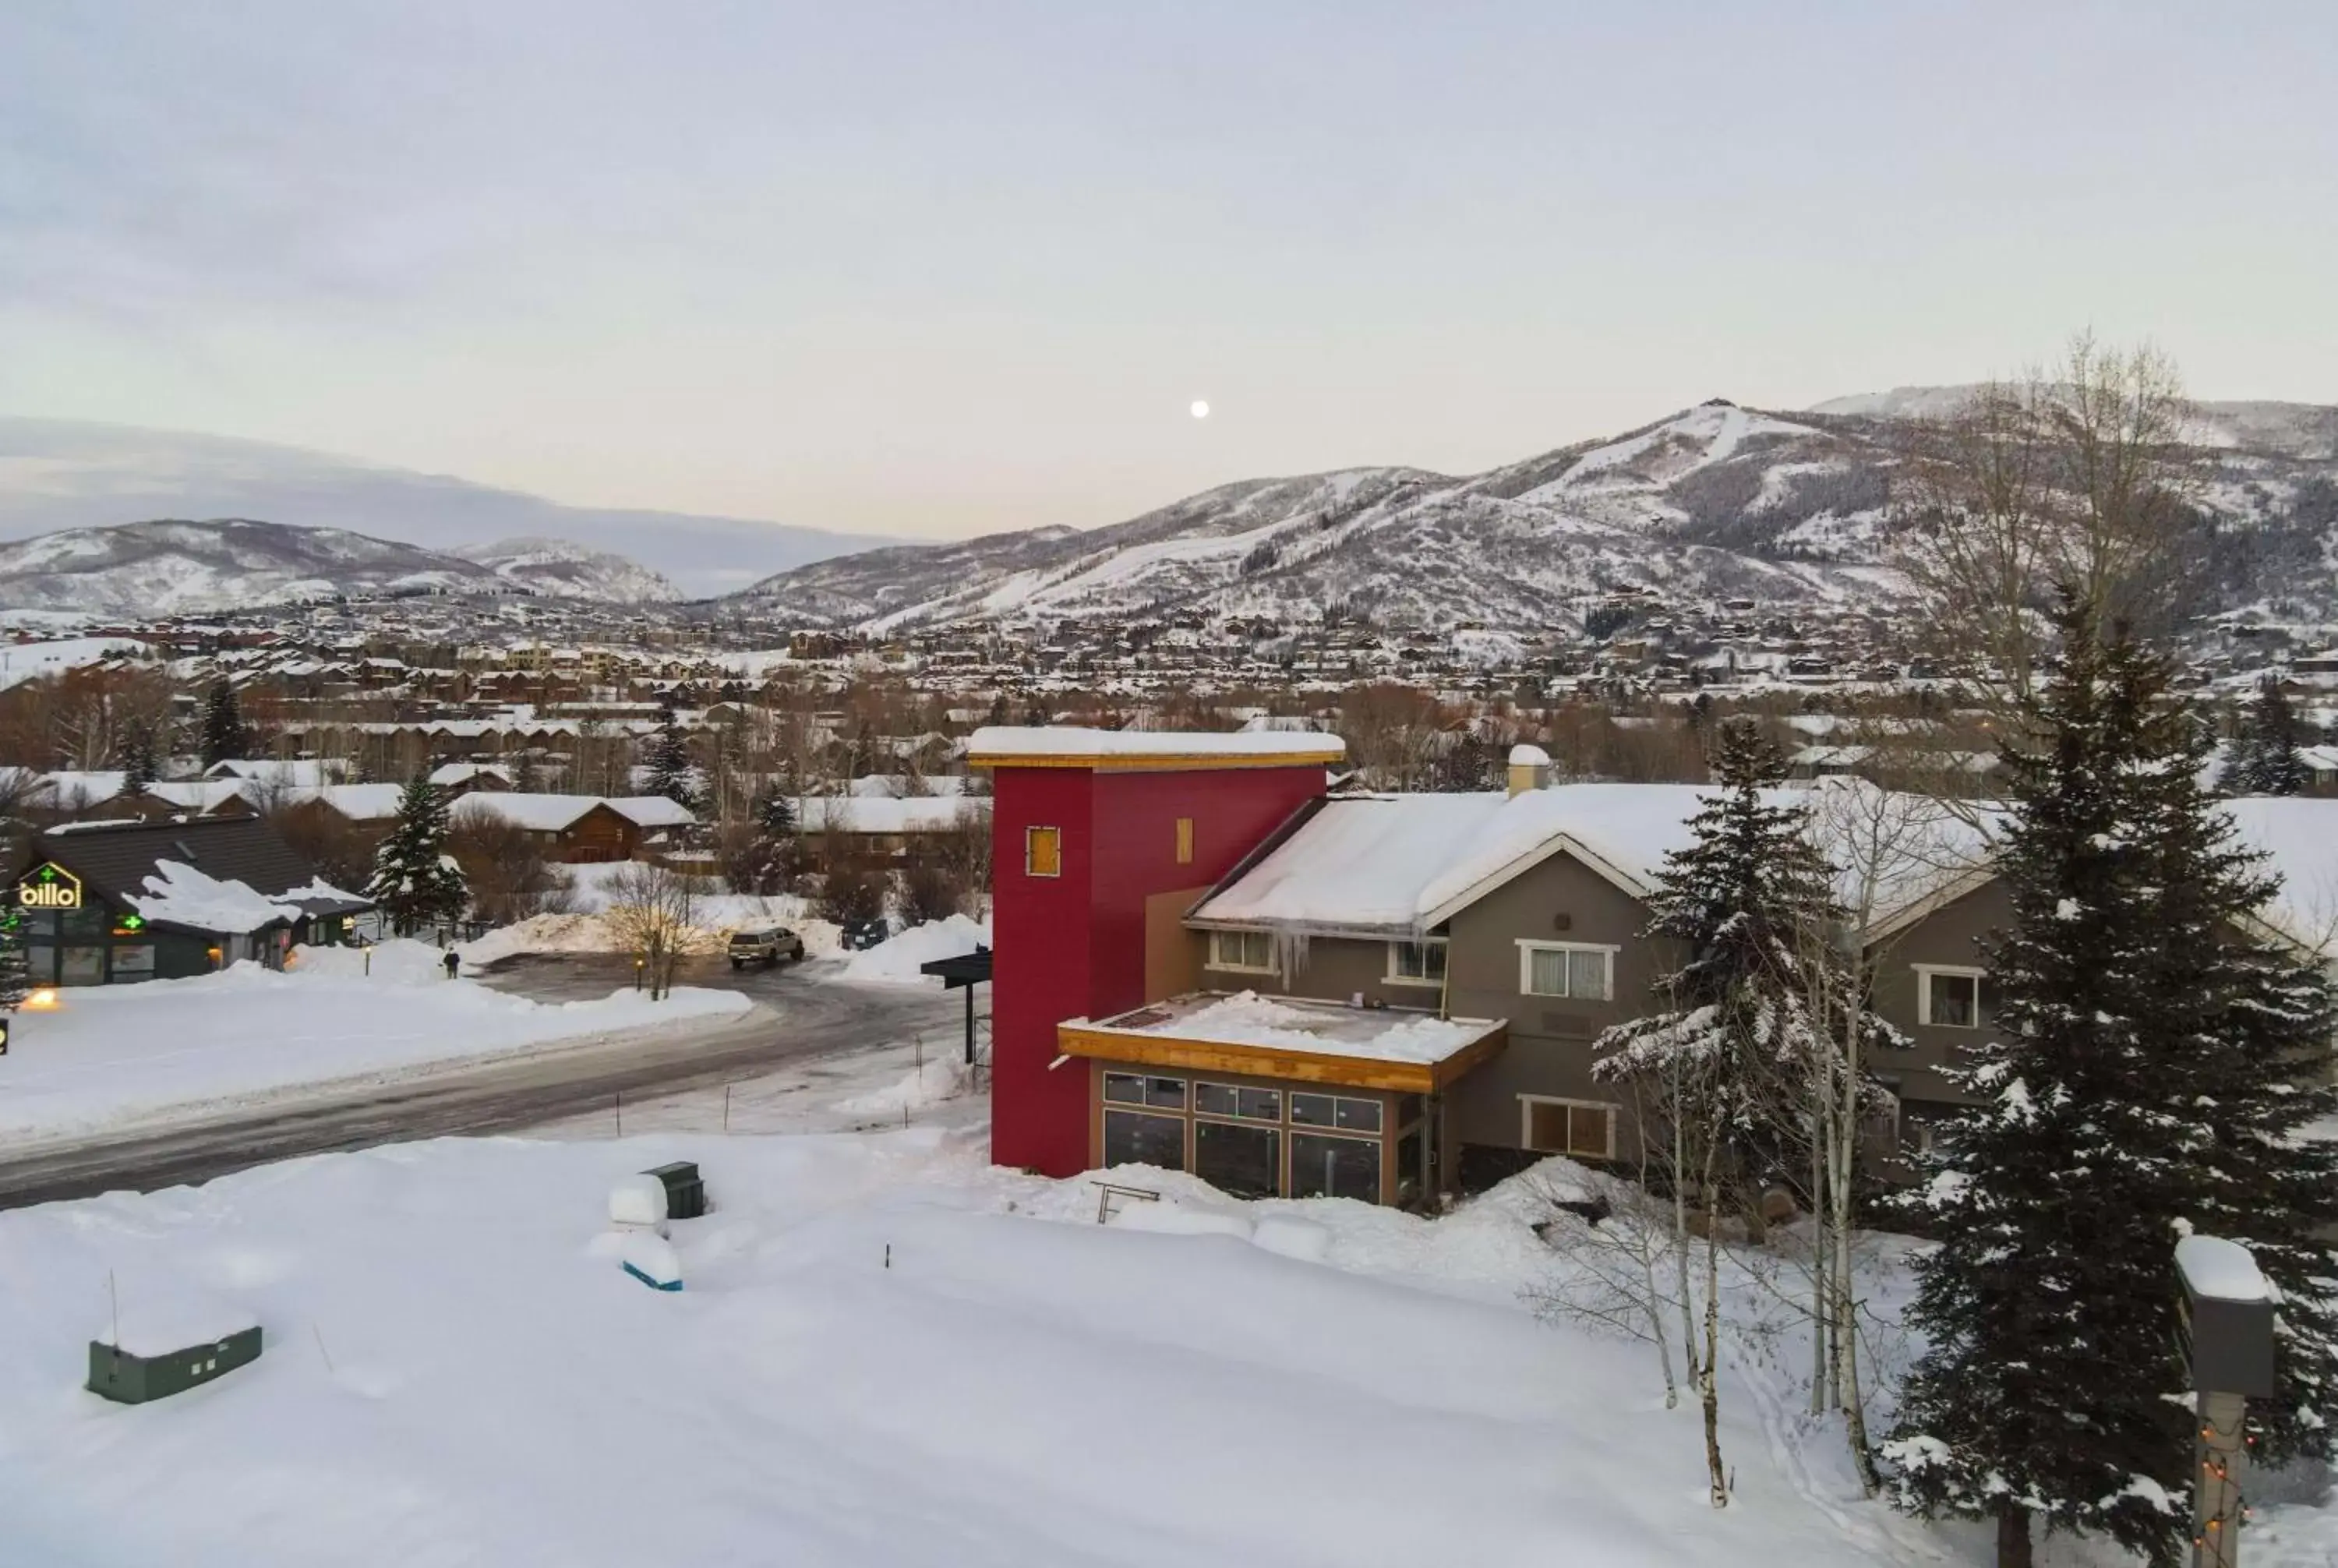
[[130, 1377]]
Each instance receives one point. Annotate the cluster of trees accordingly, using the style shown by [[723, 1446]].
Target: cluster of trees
[[2151, 1064]]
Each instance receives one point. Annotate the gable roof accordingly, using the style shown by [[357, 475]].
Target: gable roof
[[1401, 864]]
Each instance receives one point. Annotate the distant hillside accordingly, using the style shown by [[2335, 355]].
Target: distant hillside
[[160, 568], [63, 473], [1714, 501], [556, 569]]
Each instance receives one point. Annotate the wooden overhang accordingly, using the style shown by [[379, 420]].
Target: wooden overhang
[[1162, 1048]]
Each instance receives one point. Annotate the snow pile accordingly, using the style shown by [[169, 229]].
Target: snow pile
[[895, 960], [153, 1312], [889, 1354], [941, 1077], [116, 1053]]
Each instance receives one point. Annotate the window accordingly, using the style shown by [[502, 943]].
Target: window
[[1043, 852], [1325, 1167], [1133, 1138], [1347, 1114], [1416, 964], [1184, 840], [1583, 1128], [1136, 1088], [1251, 950], [1245, 1162], [1578, 972], [1228, 1099], [1948, 998]]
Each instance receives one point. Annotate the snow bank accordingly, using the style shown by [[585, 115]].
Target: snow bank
[[945, 1076], [889, 1354], [895, 960], [117, 1053]]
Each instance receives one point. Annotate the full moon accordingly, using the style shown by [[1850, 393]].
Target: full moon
[[1201, 410]]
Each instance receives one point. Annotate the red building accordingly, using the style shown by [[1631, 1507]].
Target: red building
[[1102, 840]]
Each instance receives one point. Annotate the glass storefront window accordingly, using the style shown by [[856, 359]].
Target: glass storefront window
[[1340, 1111], [1133, 1138], [1245, 1162], [1324, 1167], [1231, 1100]]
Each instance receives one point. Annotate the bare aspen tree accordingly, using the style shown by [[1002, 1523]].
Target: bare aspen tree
[[2076, 475], [653, 913]]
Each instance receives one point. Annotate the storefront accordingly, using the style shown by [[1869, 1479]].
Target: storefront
[[112, 904], [1272, 1097]]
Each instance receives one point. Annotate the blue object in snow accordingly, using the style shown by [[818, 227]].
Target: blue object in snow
[[652, 1284]]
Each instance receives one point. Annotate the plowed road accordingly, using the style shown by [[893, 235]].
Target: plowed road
[[795, 1020]]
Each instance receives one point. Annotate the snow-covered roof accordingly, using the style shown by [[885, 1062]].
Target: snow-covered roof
[[653, 810], [448, 774], [69, 788], [359, 802], [1399, 864], [879, 814], [1293, 1038], [294, 773], [1328, 1028], [178, 895], [521, 808], [1072, 746], [199, 795]]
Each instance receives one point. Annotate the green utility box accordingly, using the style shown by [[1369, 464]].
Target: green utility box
[[128, 1378], [685, 1193]]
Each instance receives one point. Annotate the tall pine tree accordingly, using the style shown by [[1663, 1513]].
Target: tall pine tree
[[139, 766], [1742, 1026], [2147, 1063], [413, 881], [2264, 760], [670, 770], [224, 737], [15, 976]]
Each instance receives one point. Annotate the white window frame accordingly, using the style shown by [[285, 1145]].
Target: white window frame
[[1218, 961], [1527, 1103], [1396, 978], [1529, 948], [1924, 973]]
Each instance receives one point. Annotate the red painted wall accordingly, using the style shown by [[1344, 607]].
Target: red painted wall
[[1073, 946]]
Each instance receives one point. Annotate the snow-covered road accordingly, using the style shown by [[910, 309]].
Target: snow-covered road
[[497, 1095]]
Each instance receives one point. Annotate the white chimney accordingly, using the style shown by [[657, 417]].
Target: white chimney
[[1529, 769]]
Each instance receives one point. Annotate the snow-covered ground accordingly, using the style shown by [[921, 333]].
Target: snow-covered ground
[[118, 1053], [715, 916], [887, 1352]]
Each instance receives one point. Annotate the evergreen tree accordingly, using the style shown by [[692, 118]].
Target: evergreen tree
[[2264, 760], [413, 881], [774, 812], [139, 768], [1744, 901], [1744, 1021], [223, 734], [670, 772], [2147, 1068], [16, 975]]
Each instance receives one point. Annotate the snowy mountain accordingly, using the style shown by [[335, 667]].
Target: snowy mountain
[[1717, 501], [63, 473], [556, 569], [161, 568]]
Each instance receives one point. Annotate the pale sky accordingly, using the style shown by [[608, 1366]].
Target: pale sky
[[950, 269]]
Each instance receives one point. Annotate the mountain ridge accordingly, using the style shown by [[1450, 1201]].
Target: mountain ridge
[[1717, 501]]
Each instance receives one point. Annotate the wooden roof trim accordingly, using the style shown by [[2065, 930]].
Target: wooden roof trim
[[1148, 1049]]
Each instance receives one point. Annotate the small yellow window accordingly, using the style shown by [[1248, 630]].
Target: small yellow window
[[1184, 840], [1043, 852]]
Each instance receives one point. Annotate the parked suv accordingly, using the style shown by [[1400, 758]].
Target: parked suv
[[764, 945], [860, 935]]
